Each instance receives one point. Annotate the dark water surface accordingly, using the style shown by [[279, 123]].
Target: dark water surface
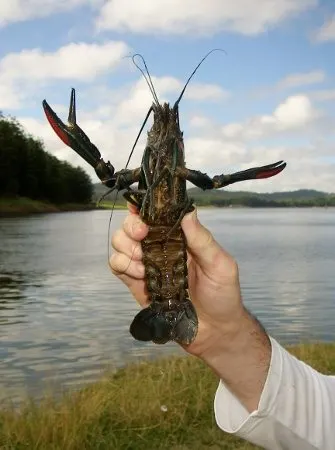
[[64, 318]]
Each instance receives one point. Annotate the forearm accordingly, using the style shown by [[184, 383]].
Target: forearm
[[241, 359], [296, 409]]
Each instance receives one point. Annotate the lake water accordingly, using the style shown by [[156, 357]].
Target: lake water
[[64, 317]]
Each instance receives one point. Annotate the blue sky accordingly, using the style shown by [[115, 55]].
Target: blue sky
[[271, 97]]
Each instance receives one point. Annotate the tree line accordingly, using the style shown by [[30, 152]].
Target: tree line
[[258, 202], [28, 170]]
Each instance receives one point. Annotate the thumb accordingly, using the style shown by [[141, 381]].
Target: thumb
[[200, 242]]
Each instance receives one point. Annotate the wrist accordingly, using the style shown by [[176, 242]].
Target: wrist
[[236, 337], [240, 355]]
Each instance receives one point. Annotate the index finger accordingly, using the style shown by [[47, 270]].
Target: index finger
[[134, 227]]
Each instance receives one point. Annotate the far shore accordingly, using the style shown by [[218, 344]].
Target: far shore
[[21, 206]]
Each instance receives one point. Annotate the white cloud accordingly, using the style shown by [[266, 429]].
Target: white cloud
[[22, 73], [294, 114], [213, 154], [21, 10], [327, 31], [138, 98], [301, 79], [195, 16], [200, 121], [293, 80], [9, 97], [203, 91], [74, 61], [85, 62]]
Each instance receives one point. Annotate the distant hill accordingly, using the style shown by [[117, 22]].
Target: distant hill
[[99, 190], [223, 198], [301, 197], [301, 194]]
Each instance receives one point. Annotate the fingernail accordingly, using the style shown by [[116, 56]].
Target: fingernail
[[194, 216]]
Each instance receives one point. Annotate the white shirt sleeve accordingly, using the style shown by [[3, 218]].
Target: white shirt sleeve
[[296, 410]]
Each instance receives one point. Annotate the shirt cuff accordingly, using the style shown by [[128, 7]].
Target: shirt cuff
[[231, 416]]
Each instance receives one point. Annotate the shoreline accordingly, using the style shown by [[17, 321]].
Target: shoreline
[[23, 206]]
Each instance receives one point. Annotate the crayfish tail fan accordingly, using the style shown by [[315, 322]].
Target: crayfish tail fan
[[148, 325], [158, 324], [185, 329]]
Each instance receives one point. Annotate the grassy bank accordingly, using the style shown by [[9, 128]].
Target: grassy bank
[[110, 205], [167, 404], [22, 205]]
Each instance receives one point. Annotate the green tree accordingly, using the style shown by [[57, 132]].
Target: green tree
[[26, 169]]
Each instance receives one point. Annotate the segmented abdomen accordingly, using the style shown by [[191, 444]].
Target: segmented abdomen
[[165, 262]]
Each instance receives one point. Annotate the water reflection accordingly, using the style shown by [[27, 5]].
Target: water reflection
[[67, 318], [13, 287]]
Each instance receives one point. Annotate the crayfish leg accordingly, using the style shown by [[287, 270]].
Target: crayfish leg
[[135, 197]]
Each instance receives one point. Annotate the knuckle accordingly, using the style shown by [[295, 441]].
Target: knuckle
[[112, 262], [128, 225], [205, 241], [121, 264], [125, 245], [117, 262], [229, 266], [131, 225], [234, 271], [208, 238]]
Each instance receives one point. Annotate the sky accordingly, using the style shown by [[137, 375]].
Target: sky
[[269, 97]]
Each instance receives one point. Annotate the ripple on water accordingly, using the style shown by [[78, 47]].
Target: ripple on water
[[64, 318]]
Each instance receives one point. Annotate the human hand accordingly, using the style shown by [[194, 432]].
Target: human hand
[[212, 277], [229, 339]]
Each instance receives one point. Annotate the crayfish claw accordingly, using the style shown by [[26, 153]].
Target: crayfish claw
[[73, 136], [57, 124], [253, 173], [72, 109]]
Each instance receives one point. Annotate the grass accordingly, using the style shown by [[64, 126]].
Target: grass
[[166, 404], [106, 204]]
